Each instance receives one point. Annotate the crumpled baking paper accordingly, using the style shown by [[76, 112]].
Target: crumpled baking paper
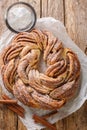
[[73, 105]]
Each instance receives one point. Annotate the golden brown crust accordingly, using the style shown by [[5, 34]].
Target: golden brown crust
[[19, 69]]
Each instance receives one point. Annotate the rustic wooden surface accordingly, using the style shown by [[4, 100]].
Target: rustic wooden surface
[[73, 13]]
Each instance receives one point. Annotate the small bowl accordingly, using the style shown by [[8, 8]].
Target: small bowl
[[20, 17]]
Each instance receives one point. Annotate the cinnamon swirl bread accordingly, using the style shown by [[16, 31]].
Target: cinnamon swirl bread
[[21, 75]]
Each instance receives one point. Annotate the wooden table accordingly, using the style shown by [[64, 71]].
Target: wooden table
[[73, 13]]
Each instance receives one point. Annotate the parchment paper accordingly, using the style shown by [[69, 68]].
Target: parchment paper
[[73, 105]]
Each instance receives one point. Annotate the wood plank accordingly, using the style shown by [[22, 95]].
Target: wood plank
[[3, 7], [1, 113], [76, 24], [76, 121], [20, 125], [76, 21], [8, 120], [36, 5], [53, 8]]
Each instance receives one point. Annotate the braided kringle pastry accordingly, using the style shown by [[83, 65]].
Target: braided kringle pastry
[[21, 76]]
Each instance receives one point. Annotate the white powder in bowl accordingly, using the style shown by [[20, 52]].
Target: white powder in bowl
[[20, 18]]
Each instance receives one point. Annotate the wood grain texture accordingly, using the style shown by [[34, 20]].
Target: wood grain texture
[[20, 125], [1, 113], [76, 21], [76, 25], [4, 4], [53, 8], [8, 120]]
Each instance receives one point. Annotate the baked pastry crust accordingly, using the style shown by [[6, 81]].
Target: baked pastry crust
[[21, 76]]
